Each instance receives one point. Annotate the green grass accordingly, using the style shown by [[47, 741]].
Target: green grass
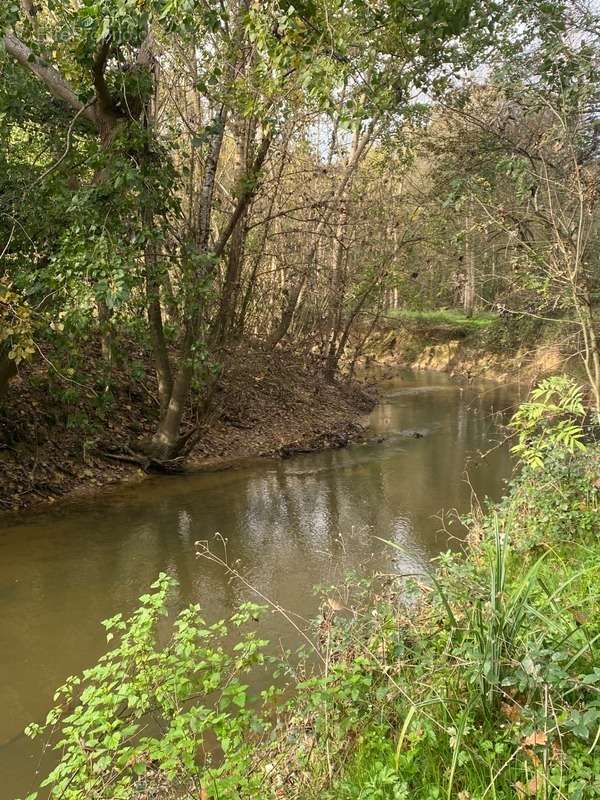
[[444, 317]]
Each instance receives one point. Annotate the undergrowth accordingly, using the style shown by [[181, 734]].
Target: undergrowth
[[481, 680]]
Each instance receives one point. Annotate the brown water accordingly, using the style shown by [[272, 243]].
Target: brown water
[[292, 524]]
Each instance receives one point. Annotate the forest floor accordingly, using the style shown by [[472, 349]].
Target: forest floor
[[266, 404]]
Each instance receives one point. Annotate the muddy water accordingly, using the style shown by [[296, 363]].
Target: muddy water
[[292, 524]]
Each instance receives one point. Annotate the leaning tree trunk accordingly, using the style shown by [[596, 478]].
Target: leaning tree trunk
[[231, 286], [167, 442]]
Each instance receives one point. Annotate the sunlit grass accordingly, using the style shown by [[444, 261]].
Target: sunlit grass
[[445, 316]]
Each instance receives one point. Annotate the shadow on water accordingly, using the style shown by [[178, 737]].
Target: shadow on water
[[290, 524]]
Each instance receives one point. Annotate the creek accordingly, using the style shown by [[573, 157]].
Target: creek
[[288, 525]]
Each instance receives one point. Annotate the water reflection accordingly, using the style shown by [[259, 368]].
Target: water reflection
[[289, 525]]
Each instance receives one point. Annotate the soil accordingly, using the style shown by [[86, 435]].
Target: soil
[[525, 366], [267, 404], [466, 357]]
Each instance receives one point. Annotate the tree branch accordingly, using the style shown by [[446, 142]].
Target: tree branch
[[50, 77], [105, 101], [246, 194]]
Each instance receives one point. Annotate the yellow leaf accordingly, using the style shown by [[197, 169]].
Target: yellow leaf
[[535, 759]]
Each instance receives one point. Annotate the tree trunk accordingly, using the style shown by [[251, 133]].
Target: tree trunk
[[469, 291], [8, 368], [108, 127], [290, 307], [231, 285], [167, 441], [591, 349], [333, 357], [157, 333], [336, 294], [337, 284], [260, 251], [105, 328]]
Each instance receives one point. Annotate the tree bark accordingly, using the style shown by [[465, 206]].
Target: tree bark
[[105, 328], [167, 442], [157, 334], [231, 284], [337, 287], [50, 77], [8, 369], [469, 289]]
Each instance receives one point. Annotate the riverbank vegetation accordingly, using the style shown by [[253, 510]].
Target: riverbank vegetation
[[477, 681], [183, 183]]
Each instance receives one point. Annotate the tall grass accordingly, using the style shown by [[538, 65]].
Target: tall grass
[[490, 686]]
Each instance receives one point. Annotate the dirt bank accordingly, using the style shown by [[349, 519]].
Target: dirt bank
[[272, 404], [487, 356], [460, 358]]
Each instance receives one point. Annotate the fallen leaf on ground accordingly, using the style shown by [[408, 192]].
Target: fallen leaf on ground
[[539, 737], [580, 617], [535, 759]]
